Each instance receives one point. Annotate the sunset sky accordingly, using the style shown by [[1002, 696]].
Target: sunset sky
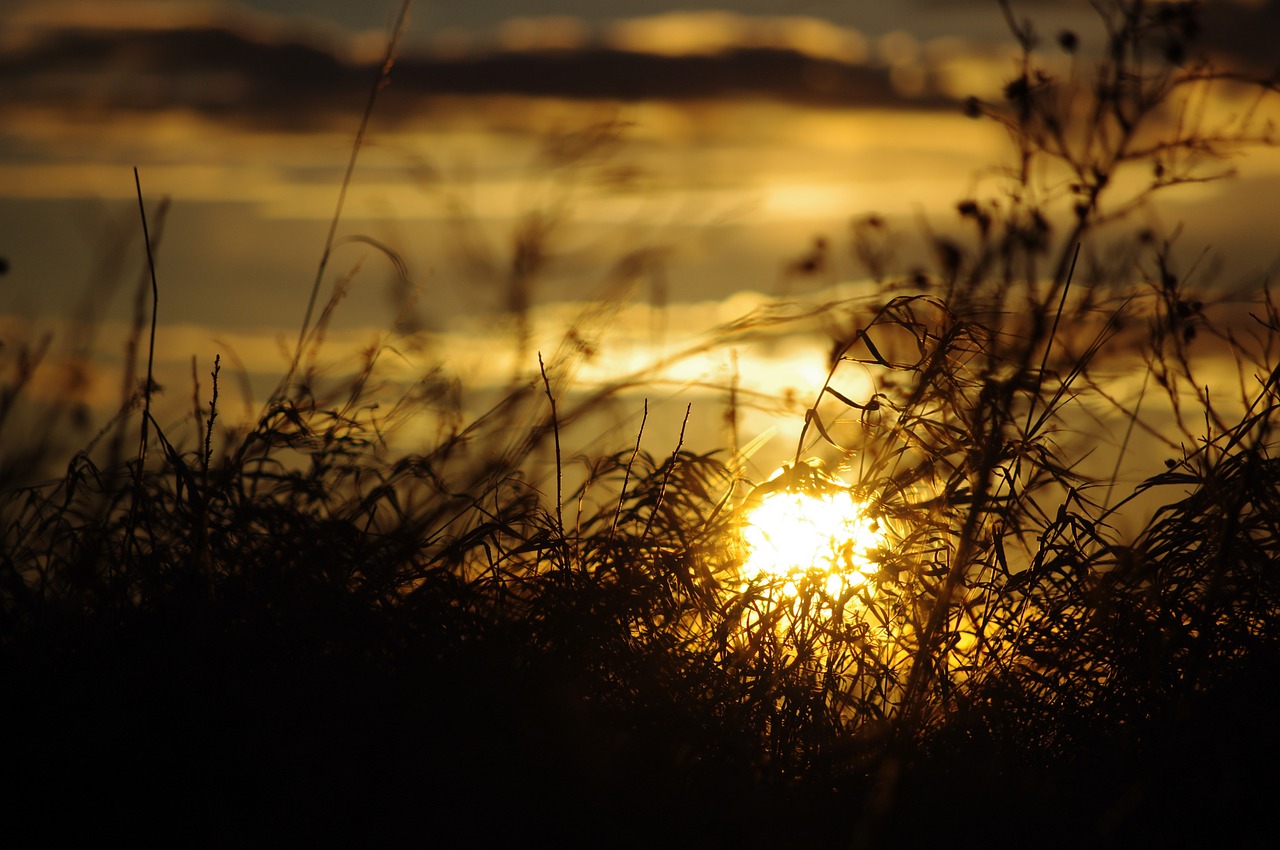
[[744, 133]]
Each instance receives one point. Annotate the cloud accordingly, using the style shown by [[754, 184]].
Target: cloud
[[36, 20], [713, 32], [557, 32], [1244, 33], [36, 16], [246, 76]]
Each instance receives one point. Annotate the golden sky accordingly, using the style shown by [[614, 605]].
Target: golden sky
[[725, 144]]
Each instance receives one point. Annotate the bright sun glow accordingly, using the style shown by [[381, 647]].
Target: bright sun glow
[[791, 533]]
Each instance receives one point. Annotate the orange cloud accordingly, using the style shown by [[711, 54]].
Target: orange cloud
[[556, 32], [700, 33]]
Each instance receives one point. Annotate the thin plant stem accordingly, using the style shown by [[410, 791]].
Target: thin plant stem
[[555, 430], [155, 309], [1053, 332], [666, 475], [626, 478], [1128, 434], [380, 81]]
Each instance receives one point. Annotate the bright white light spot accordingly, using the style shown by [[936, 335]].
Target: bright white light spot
[[793, 533]]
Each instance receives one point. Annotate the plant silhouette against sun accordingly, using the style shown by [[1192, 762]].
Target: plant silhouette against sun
[[982, 378]]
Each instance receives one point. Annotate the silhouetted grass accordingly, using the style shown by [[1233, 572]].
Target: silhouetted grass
[[294, 634]]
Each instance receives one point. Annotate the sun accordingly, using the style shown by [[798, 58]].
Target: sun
[[797, 529]]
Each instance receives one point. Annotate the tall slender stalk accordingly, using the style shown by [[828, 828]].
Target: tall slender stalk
[[151, 345], [380, 81]]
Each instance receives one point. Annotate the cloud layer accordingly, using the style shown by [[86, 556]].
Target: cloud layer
[[247, 77]]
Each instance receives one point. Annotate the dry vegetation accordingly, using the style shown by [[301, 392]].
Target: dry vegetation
[[288, 634]]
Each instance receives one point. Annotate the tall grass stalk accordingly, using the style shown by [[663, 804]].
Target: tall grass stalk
[[380, 81]]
